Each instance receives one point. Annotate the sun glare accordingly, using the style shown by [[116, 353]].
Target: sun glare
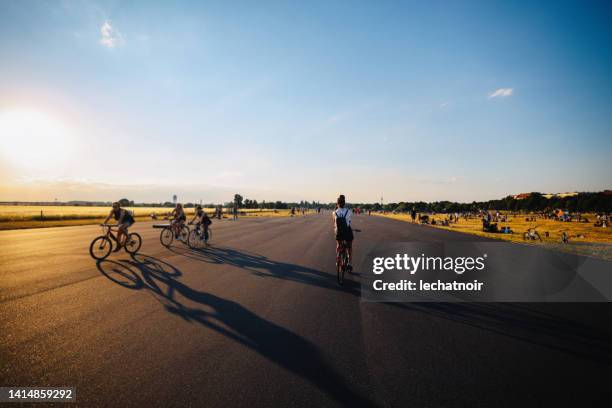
[[32, 139]]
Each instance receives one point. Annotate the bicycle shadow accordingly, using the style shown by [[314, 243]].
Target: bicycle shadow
[[229, 318], [263, 267], [518, 321]]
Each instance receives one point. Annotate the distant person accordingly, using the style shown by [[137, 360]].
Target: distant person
[[235, 212], [342, 227], [124, 220], [292, 211], [413, 214]]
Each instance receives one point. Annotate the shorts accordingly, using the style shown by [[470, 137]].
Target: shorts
[[347, 236], [127, 223], [179, 220]]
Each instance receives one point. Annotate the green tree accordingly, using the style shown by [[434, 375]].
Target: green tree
[[238, 200]]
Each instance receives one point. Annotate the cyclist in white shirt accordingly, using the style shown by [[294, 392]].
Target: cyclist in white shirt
[[342, 227]]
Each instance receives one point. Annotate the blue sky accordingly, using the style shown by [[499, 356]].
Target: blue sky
[[304, 100]]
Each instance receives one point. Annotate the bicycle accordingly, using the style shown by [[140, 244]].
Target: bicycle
[[195, 239], [166, 236], [342, 262], [101, 247], [532, 235]]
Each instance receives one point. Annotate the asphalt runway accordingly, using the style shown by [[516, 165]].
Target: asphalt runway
[[257, 319]]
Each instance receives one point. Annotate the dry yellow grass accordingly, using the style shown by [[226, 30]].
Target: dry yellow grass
[[29, 216], [584, 238]]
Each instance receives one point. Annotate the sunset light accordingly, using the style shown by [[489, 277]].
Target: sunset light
[[32, 139], [320, 203]]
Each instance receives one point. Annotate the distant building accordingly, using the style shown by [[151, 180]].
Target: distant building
[[521, 196]]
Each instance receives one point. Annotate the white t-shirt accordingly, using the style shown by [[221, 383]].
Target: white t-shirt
[[342, 212]]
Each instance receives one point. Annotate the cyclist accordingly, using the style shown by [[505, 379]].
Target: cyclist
[[178, 219], [203, 221], [124, 220], [342, 227]]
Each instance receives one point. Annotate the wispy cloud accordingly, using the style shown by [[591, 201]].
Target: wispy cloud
[[109, 36], [501, 93]]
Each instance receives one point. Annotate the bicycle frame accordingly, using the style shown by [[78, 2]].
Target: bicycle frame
[[109, 232], [176, 226], [341, 261], [342, 250]]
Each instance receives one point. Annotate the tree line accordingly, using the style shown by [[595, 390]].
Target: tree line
[[534, 202]]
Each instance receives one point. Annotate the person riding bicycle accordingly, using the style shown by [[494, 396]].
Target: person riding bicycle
[[178, 219], [124, 220], [203, 221], [342, 228]]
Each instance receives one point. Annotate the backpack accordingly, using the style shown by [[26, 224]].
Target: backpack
[[341, 225]]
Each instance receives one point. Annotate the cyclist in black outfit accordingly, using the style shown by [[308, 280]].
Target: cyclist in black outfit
[[124, 220]]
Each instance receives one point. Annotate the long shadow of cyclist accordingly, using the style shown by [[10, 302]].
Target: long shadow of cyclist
[[264, 267], [521, 322], [229, 318]]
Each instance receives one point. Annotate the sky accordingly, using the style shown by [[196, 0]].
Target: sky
[[455, 100]]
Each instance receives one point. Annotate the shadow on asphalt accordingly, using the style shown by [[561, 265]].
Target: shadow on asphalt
[[522, 322], [232, 320], [264, 267], [515, 320]]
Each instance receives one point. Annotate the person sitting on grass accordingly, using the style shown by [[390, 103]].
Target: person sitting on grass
[[124, 220]]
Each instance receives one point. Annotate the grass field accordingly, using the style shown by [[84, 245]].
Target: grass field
[[584, 238], [26, 216]]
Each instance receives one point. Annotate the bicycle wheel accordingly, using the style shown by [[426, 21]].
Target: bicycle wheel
[[133, 243], [340, 267], [209, 236], [193, 239], [100, 248], [166, 237]]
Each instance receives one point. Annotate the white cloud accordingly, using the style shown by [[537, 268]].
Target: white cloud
[[110, 36], [501, 93]]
